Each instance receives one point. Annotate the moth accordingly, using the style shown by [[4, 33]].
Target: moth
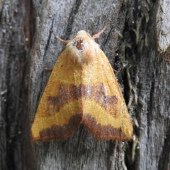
[[82, 89]]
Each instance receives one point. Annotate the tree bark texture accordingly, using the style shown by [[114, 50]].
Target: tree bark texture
[[132, 42], [15, 29]]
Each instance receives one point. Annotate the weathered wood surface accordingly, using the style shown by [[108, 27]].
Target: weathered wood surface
[[163, 28], [28, 46], [15, 145], [163, 25]]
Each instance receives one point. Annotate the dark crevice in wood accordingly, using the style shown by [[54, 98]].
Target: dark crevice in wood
[[23, 127], [150, 106], [70, 22], [110, 155], [32, 23], [128, 156], [130, 49], [29, 22], [15, 109], [10, 107], [126, 87], [49, 38], [107, 37], [118, 64]]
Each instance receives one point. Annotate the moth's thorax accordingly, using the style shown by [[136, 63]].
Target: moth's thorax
[[83, 48]]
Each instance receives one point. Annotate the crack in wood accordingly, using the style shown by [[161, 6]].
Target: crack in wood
[[73, 12], [49, 38]]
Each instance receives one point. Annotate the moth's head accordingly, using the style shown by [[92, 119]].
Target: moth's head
[[83, 47], [82, 41]]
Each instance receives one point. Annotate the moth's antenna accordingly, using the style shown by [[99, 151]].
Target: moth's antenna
[[97, 35], [64, 41]]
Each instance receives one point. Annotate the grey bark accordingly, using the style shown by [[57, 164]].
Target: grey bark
[[131, 42], [15, 145]]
